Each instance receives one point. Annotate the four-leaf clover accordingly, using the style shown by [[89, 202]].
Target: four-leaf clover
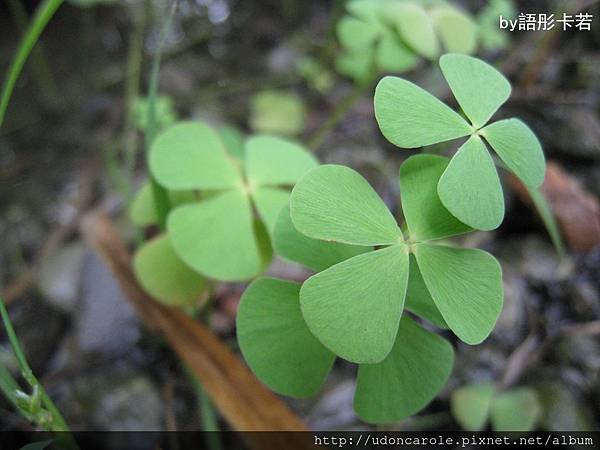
[[218, 235], [354, 307], [469, 188]]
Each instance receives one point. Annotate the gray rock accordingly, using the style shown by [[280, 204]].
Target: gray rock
[[334, 410], [536, 259], [116, 398], [106, 322], [511, 325], [60, 274]]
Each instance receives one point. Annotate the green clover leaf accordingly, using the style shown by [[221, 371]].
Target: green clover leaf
[[275, 341], [470, 405], [142, 210], [218, 236], [317, 255], [354, 307], [164, 276], [515, 410], [411, 375], [410, 117]]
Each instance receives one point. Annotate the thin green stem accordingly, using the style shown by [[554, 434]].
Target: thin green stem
[[208, 415], [132, 87], [57, 422], [40, 68], [161, 197], [318, 137], [42, 16]]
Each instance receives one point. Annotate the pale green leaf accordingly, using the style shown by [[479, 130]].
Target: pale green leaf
[[335, 203], [142, 210], [354, 65], [269, 202], [393, 56], [456, 29], [233, 140], [516, 410], [470, 188], [354, 307], [414, 26], [519, 148], [466, 286], [470, 405], [274, 161], [277, 112], [191, 155], [313, 253], [216, 237], [355, 34], [164, 276], [367, 10], [478, 87], [411, 117], [418, 298], [414, 372], [275, 341], [426, 216]]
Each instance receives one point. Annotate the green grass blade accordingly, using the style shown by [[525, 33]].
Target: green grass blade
[[42, 16], [543, 208], [161, 197]]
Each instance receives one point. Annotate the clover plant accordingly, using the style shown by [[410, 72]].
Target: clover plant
[[516, 409], [469, 188], [368, 273], [391, 35], [215, 183]]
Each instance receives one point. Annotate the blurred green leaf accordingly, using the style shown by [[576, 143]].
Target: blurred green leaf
[[164, 276], [515, 410], [274, 161], [455, 28], [277, 112], [191, 155], [216, 237], [471, 405]]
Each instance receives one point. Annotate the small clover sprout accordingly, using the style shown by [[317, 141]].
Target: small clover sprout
[[369, 272], [397, 32], [469, 188], [218, 235], [277, 112], [165, 112], [515, 409]]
